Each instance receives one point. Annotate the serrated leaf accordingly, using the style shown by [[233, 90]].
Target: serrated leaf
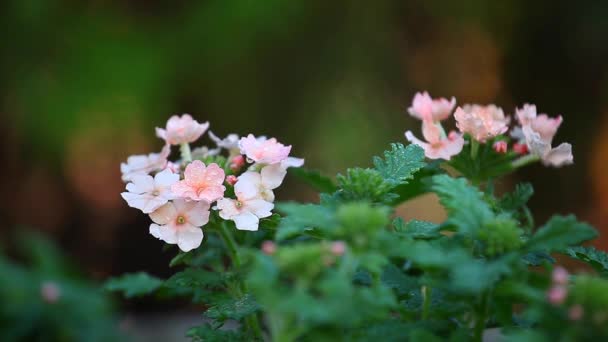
[[315, 179], [416, 229], [134, 284], [364, 185], [518, 198], [234, 309], [194, 278], [595, 258], [559, 233], [301, 218], [478, 275], [538, 258], [419, 185], [464, 203], [400, 163]]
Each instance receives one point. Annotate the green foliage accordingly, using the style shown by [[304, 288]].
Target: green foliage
[[314, 179], [597, 259], [417, 229], [209, 333], [400, 163], [134, 284], [365, 185], [559, 233], [236, 309], [500, 236]]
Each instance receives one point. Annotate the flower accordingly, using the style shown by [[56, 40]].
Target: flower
[[237, 162], [204, 152], [182, 130], [138, 165], [426, 108], [560, 276], [439, 146], [148, 194], [201, 183], [231, 179], [229, 143], [269, 247], [558, 156], [338, 248], [178, 222], [500, 146], [557, 294], [254, 199], [576, 312], [262, 150], [520, 148], [481, 122], [541, 123], [50, 292]]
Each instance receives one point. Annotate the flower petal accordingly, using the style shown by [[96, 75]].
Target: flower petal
[[164, 214], [189, 237], [246, 221]]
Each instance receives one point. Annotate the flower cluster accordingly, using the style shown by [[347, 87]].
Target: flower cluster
[[534, 134], [179, 195]]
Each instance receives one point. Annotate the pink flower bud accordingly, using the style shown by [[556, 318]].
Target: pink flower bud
[[338, 248], [237, 163], [560, 276], [576, 312], [520, 148], [557, 294], [50, 292], [500, 147], [231, 179], [269, 247]]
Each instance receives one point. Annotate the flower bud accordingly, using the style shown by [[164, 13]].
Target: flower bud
[[269, 247], [560, 276], [520, 148], [500, 147], [237, 163], [557, 294], [575, 313], [50, 292], [338, 248], [231, 179]]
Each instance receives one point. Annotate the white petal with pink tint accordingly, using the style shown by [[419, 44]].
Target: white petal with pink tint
[[147, 193], [142, 165], [182, 130], [481, 122], [262, 150], [201, 183], [428, 109], [179, 222]]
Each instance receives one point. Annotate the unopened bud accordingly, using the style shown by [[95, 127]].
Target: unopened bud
[[500, 147], [560, 276], [338, 248], [231, 179], [521, 148], [576, 312], [269, 247], [237, 163], [557, 294], [50, 292]]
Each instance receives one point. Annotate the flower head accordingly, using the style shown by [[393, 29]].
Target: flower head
[[500, 147], [178, 222], [438, 146], [229, 143], [481, 122], [426, 108], [201, 183], [558, 156], [182, 129], [262, 150], [544, 125], [148, 194], [144, 164]]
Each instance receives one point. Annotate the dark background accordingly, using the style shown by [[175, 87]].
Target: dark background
[[84, 83]]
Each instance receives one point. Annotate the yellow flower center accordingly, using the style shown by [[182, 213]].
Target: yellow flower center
[[181, 220]]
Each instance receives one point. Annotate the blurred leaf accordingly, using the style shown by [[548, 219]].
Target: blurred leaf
[[595, 258], [478, 275], [315, 179], [400, 163], [134, 284], [417, 229], [206, 333], [301, 218], [559, 233], [538, 258], [518, 198], [394, 278], [236, 309], [194, 277]]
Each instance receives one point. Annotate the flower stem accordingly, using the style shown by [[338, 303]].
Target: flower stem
[[426, 304], [251, 321], [186, 153], [525, 160], [480, 319], [474, 148]]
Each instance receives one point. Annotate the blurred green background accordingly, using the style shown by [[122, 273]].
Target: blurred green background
[[84, 83]]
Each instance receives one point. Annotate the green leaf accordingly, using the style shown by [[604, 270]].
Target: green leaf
[[400, 163], [595, 258], [365, 185], [477, 275], [518, 198], [464, 203], [207, 333], [419, 185], [234, 309], [417, 229], [315, 179], [394, 278], [559, 233], [194, 278], [301, 218], [134, 284]]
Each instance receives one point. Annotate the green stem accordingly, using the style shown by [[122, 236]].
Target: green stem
[[426, 304], [480, 319], [525, 160], [251, 321], [474, 148], [186, 153]]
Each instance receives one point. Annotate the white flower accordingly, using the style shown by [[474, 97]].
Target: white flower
[[179, 222], [229, 143], [147, 193], [558, 156], [142, 164]]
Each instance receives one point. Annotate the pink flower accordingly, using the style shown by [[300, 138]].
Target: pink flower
[[237, 162], [179, 222], [520, 148], [426, 108], [231, 179], [262, 150], [500, 147], [251, 204], [50, 292], [181, 130], [481, 122], [144, 164], [148, 194], [229, 143], [558, 156], [269, 247], [560, 276], [545, 126], [201, 183], [439, 146], [557, 294], [576, 312], [338, 248]]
